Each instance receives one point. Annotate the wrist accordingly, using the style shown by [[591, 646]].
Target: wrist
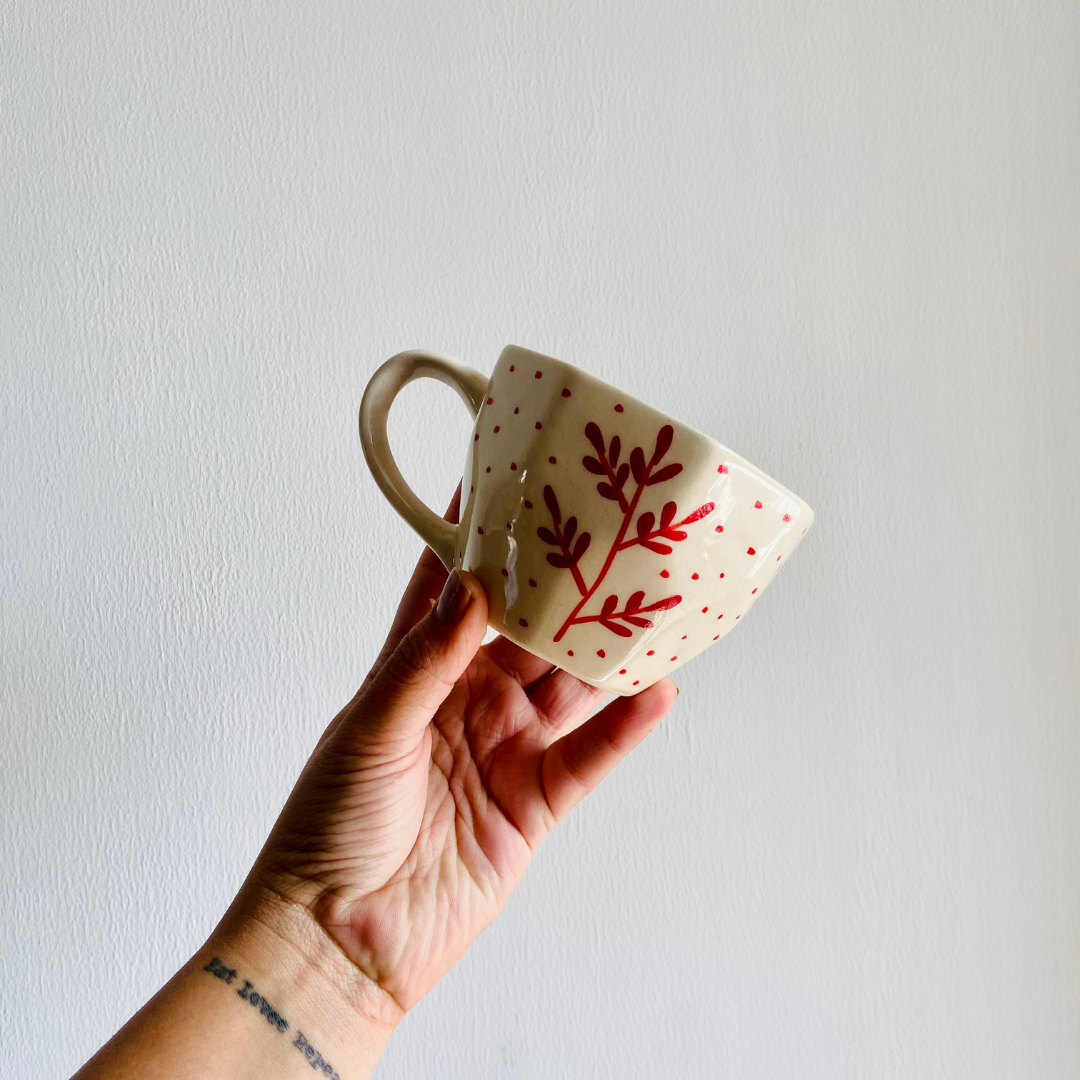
[[299, 979]]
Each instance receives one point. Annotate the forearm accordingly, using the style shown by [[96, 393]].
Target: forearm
[[268, 995]]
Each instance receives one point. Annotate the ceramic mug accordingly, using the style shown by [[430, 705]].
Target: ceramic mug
[[612, 541]]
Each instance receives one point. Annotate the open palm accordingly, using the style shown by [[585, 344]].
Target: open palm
[[427, 795]]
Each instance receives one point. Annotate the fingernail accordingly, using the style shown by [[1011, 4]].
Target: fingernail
[[678, 691], [454, 601]]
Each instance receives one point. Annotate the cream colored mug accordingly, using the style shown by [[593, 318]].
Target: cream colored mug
[[612, 541]]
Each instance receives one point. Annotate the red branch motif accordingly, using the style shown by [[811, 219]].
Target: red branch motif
[[612, 487]]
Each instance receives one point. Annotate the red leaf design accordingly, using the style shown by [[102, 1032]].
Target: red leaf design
[[592, 465], [615, 628], [568, 531], [663, 605], [621, 475], [699, 513], [674, 534], [592, 433], [666, 473], [556, 558], [613, 450], [645, 524], [581, 546], [637, 464], [663, 443], [547, 536], [667, 515], [607, 490], [637, 620], [635, 600], [610, 604], [660, 549], [552, 503]]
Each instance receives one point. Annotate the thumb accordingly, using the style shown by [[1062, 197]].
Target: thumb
[[419, 674]]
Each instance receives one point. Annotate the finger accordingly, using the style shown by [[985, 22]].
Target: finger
[[573, 765], [399, 702], [518, 663], [562, 700], [428, 578]]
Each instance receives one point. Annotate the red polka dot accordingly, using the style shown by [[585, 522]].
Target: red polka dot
[[757, 505], [472, 488], [476, 437], [532, 582], [491, 401], [719, 528], [618, 408], [703, 610], [538, 425], [723, 469], [721, 615], [753, 591], [505, 572], [539, 374], [804, 531], [528, 505], [601, 653], [622, 671], [496, 429], [511, 367], [694, 576], [717, 638], [488, 469], [683, 637], [650, 652], [777, 558], [738, 616], [513, 466], [673, 658], [569, 652], [552, 461], [516, 410], [721, 575], [523, 622], [664, 573], [787, 517], [480, 529], [750, 551], [565, 392], [636, 681]]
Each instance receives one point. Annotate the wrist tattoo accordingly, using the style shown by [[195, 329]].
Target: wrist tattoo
[[249, 994]]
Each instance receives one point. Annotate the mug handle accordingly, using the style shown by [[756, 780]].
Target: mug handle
[[438, 533]]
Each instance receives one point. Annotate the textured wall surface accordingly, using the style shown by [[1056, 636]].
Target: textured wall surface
[[843, 238]]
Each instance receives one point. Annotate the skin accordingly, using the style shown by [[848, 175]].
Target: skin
[[412, 822]]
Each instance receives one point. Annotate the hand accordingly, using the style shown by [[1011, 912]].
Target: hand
[[428, 794]]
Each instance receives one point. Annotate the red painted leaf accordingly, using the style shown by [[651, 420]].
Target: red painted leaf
[[552, 503], [645, 524], [667, 515], [547, 536], [666, 473], [568, 531], [557, 558], [699, 513], [663, 443], [637, 620], [621, 475], [674, 534], [592, 465], [592, 433], [610, 604], [660, 549], [581, 546], [607, 491], [615, 628], [635, 600], [637, 464], [613, 450], [662, 605]]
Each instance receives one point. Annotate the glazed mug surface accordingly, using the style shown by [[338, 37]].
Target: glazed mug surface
[[612, 541]]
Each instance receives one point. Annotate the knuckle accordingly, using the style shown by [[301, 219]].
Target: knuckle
[[414, 664]]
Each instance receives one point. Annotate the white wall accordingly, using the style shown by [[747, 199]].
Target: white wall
[[843, 238]]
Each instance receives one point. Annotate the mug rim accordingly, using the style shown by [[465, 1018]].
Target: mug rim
[[680, 425]]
